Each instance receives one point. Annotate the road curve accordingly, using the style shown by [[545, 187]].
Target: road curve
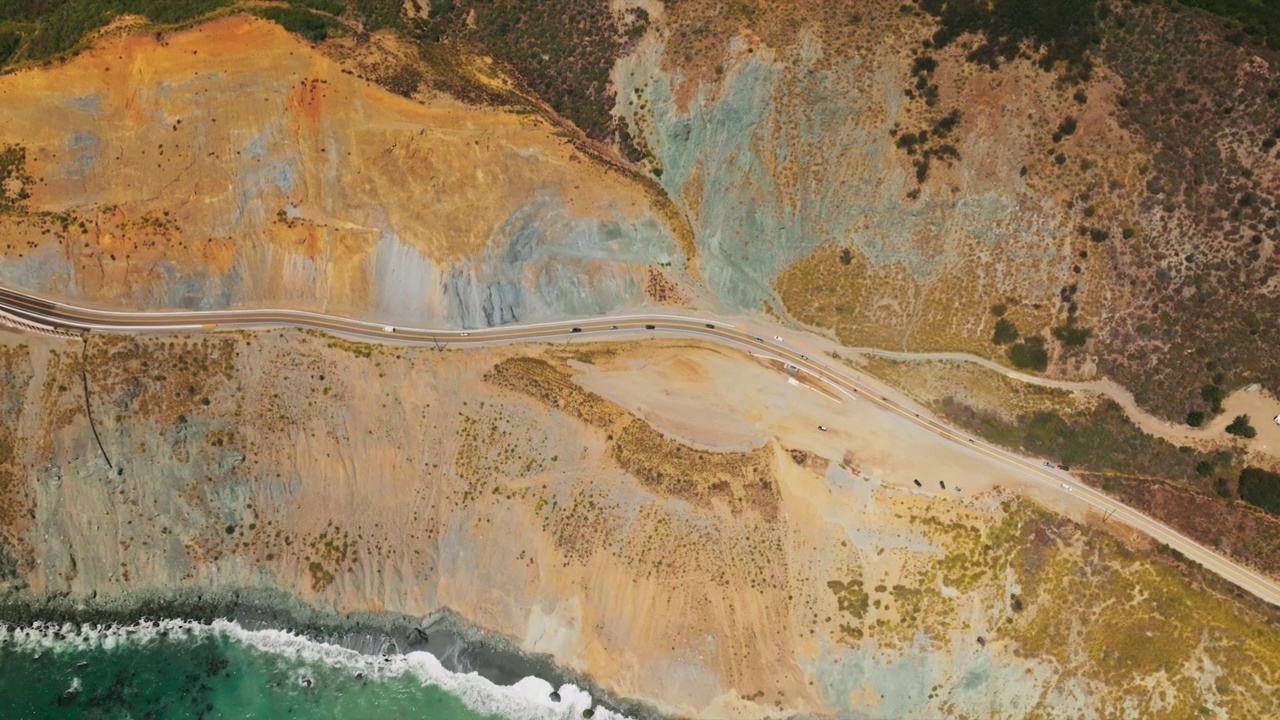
[[59, 315]]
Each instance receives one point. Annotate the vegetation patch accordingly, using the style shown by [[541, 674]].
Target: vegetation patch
[[15, 498], [14, 178], [1058, 33], [60, 26], [1130, 619], [853, 601], [1259, 20], [1101, 440], [665, 466], [555, 388], [167, 380], [1262, 488], [745, 479], [1239, 530], [1072, 335], [563, 52], [1197, 266], [312, 26], [10, 41]]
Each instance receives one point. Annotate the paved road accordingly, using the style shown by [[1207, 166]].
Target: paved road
[[49, 313]]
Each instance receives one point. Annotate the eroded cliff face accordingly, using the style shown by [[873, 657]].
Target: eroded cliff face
[[586, 502], [234, 164]]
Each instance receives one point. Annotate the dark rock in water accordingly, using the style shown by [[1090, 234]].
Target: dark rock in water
[[588, 713], [555, 696]]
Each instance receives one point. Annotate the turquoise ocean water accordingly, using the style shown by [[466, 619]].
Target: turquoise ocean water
[[178, 669]]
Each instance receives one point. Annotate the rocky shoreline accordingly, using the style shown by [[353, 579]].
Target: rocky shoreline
[[460, 646]]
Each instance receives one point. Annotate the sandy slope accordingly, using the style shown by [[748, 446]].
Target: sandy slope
[[409, 480]]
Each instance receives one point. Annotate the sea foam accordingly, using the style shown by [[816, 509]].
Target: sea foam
[[528, 699]]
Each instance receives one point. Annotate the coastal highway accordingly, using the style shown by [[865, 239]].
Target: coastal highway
[[49, 313]]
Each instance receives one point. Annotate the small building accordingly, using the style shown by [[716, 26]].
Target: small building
[[1276, 419]]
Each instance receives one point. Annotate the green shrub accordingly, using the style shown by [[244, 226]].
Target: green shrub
[[1006, 332], [1262, 488], [1214, 395], [1072, 335], [1223, 488], [1195, 418], [1030, 354], [1240, 427]]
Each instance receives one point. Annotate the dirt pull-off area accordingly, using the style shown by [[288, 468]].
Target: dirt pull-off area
[[183, 170]]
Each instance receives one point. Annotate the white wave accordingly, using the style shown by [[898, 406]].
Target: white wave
[[528, 699]]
